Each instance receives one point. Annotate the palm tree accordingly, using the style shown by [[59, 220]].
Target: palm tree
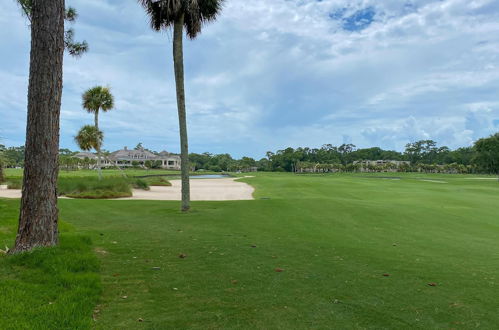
[[89, 137], [180, 14], [96, 99]]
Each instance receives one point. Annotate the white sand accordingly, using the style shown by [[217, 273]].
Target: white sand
[[9, 193], [201, 190]]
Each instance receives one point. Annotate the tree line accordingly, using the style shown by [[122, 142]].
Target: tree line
[[423, 155]]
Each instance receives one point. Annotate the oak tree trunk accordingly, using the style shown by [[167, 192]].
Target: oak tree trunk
[[178, 60], [99, 170], [39, 214]]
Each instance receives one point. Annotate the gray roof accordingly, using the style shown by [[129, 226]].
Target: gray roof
[[132, 154], [85, 154], [126, 154]]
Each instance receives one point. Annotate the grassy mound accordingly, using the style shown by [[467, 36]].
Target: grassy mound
[[51, 288], [92, 188], [158, 181], [14, 184]]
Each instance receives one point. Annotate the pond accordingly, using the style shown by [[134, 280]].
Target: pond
[[209, 176]]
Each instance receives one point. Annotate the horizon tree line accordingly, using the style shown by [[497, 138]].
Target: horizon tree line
[[424, 155]]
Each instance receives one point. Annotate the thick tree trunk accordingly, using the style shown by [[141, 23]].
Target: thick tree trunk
[[178, 60], [99, 170], [39, 214]]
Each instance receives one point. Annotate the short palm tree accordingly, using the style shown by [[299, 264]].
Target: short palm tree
[[89, 137], [180, 14], [94, 100]]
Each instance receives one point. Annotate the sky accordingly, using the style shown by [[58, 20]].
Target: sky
[[270, 74]]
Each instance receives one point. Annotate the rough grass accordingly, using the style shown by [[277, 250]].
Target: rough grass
[[14, 184], [93, 188], [158, 181], [51, 288]]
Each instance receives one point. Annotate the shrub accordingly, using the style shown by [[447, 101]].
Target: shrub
[[14, 183], [141, 184], [93, 188], [161, 181]]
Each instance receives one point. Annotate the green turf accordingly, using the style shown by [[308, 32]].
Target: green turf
[[334, 236], [52, 288], [18, 173]]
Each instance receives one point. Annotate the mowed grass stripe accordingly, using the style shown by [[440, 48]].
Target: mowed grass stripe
[[332, 235]]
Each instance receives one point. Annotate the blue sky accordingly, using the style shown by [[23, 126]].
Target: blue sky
[[276, 73]]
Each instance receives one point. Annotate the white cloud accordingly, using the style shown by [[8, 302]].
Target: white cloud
[[275, 73]]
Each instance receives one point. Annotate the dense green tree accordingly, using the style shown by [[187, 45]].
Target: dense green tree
[[180, 14], [423, 151], [14, 156], [487, 154], [98, 99]]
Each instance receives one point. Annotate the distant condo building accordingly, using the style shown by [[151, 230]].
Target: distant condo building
[[397, 163], [129, 158]]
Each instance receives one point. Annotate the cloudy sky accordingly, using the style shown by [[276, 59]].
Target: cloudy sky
[[276, 73]]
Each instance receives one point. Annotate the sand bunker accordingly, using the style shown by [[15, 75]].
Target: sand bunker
[[201, 190], [9, 193]]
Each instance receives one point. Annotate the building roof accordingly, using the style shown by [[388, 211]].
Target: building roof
[[85, 154], [132, 154], [126, 154]]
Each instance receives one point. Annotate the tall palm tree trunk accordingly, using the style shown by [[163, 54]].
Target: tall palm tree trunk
[[178, 60], [38, 218], [99, 170]]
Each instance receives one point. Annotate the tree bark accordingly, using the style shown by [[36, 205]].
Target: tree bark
[[38, 218], [99, 170], [178, 60]]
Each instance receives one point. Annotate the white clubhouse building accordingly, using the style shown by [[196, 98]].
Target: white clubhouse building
[[129, 158]]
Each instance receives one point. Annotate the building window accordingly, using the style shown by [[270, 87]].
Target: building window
[[171, 163]]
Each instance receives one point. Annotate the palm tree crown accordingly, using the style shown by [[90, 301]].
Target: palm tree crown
[[98, 98], [164, 13], [89, 137]]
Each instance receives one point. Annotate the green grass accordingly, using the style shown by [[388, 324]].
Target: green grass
[[158, 181], [18, 173], [93, 188], [334, 236], [53, 288]]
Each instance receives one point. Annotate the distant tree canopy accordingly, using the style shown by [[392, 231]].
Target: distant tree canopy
[[487, 154], [424, 155]]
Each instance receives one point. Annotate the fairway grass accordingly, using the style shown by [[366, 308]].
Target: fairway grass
[[342, 251]]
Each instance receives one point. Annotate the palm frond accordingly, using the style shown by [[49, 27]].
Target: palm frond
[[163, 13], [98, 98], [89, 137]]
